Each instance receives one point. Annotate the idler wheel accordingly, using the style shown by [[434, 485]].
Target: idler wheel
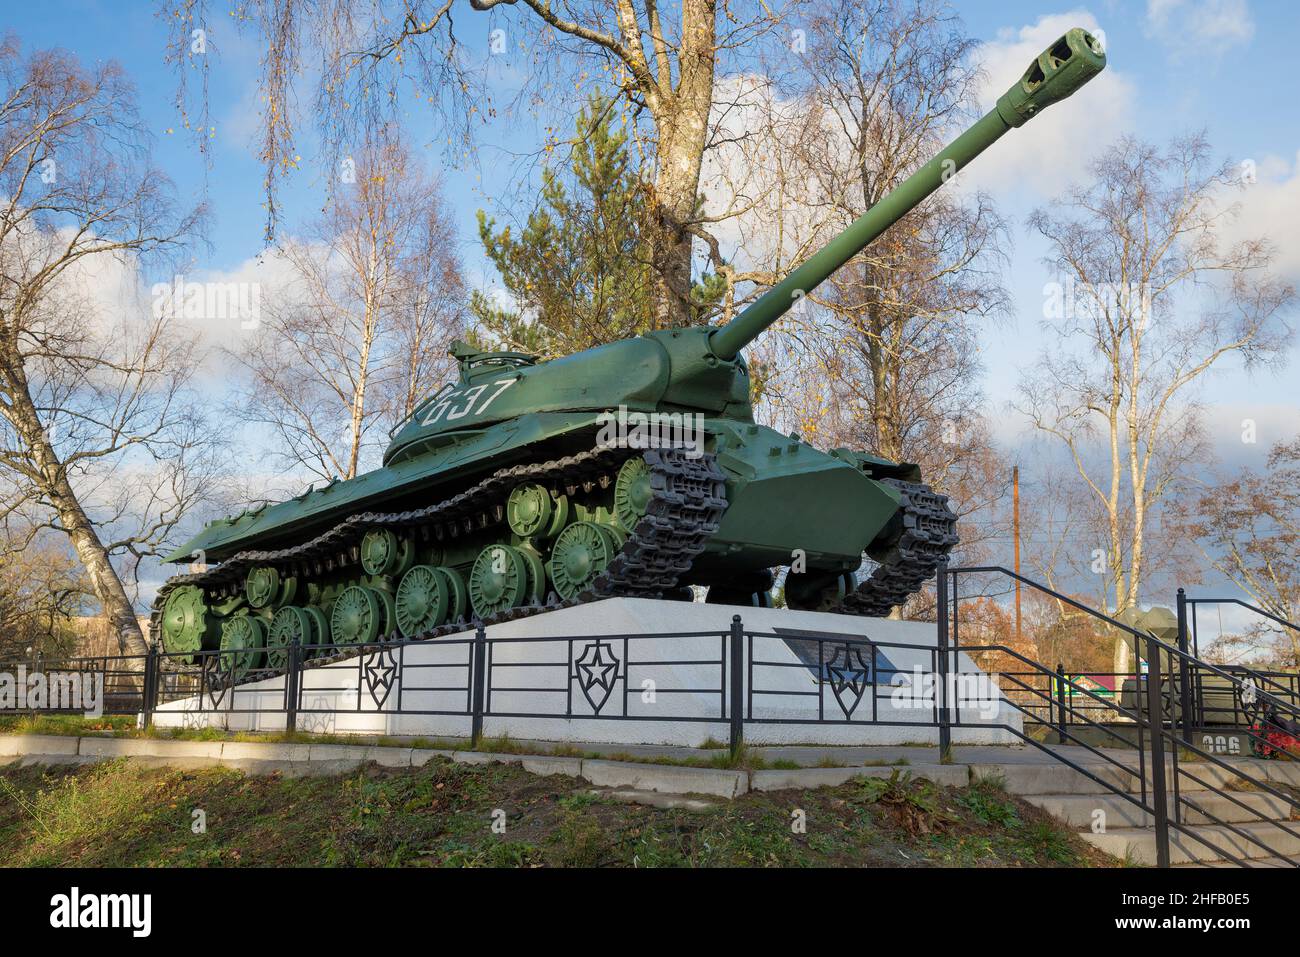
[[423, 600], [632, 493], [388, 609], [357, 617], [536, 593], [320, 630], [246, 637], [499, 580], [818, 591], [458, 590], [580, 554], [187, 624]]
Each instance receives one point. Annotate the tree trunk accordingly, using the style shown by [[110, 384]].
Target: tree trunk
[[682, 122], [369, 322], [52, 478], [359, 396], [676, 188], [103, 577]]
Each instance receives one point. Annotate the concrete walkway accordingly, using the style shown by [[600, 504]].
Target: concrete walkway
[[625, 766], [1022, 770], [811, 756]]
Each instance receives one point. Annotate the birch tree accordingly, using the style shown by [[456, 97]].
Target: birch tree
[[1248, 527], [1147, 297], [884, 356], [355, 337], [891, 81], [42, 589], [101, 438]]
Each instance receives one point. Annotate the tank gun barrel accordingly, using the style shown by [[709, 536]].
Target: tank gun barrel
[[1058, 72]]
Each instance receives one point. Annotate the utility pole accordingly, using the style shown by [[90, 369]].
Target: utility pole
[[1015, 527]]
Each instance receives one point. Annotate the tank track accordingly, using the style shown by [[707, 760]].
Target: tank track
[[929, 533], [686, 505], [688, 497]]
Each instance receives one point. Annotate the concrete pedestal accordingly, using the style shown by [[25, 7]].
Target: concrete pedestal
[[637, 671]]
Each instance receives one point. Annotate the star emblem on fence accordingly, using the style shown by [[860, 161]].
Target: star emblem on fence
[[848, 677], [597, 667], [379, 672], [215, 681]]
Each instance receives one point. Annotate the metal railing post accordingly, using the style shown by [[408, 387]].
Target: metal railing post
[[1060, 703], [478, 677], [291, 686], [1184, 671], [736, 685], [1155, 719], [941, 683], [149, 702]]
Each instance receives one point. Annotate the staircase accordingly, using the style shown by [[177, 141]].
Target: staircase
[[1138, 773], [1220, 812]]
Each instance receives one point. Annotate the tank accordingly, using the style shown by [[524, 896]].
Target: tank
[[633, 468]]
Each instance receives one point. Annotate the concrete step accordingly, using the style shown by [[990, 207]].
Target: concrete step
[[1197, 776], [1277, 772], [1193, 776], [1079, 809], [1139, 844], [1026, 779]]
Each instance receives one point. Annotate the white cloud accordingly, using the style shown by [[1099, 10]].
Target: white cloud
[[1270, 207], [1054, 149], [258, 278], [104, 290], [242, 122], [743, 180], [1230, 427], [1033, 163], [110, 294], [1199, 26]]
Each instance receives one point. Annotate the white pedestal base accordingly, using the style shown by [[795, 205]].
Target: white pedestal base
[[660, 678]]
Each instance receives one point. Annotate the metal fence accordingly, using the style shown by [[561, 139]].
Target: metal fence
[[733, 679]]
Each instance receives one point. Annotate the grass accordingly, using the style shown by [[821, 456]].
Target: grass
[[121, 814], [65, 724]]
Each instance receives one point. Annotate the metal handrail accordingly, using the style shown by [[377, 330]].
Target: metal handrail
[[1244, 604]]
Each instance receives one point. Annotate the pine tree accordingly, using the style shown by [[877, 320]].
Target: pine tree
[[579, 272]]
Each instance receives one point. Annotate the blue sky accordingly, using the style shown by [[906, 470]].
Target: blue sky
[[1225, 66], [1222, 65]]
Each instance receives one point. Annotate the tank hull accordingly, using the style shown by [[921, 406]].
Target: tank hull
[[537, 512]]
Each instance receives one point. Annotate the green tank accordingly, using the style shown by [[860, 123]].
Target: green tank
[[634, 468]]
